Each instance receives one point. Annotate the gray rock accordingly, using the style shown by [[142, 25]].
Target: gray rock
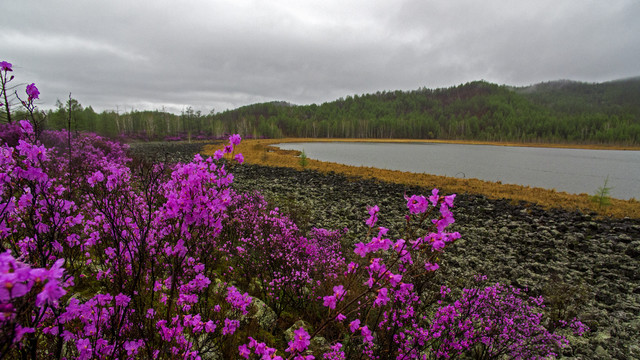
[[265, 316]]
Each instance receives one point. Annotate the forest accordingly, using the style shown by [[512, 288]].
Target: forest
[[553, 112]]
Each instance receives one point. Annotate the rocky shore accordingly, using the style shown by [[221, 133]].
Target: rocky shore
[[581, 264]]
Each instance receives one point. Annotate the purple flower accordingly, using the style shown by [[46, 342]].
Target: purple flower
[[417, 204], [449, 200], [354, 325], [84, 348], [230, 326], [431, 267], [235, 139], [132, 347], [5, 66], [51, 292], [244, 351], [96, 177], [33, 92], [239, 158], [329, 301], [301, 339], [20, 331], [373, 215], [434, 198], [122, 300], [238, 300], [382, 298], [338, 294], [209, 326], [361, 249], [366, 334]]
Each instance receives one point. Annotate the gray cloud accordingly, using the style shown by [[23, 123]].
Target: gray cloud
[[225, 54]]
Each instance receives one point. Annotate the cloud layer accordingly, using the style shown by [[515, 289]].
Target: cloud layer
[[224, 54]]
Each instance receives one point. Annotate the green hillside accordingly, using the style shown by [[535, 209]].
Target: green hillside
[[553, 112]]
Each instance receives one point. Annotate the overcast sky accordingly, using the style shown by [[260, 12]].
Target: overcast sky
[[220, 55]]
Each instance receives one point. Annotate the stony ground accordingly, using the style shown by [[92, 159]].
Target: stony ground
[[583, 265]]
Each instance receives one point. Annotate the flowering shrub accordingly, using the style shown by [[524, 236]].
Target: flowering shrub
[[287, 266], [167, 261]]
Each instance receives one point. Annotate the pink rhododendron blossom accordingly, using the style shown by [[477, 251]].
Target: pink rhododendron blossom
[[417, 204], [335, 354], [366, 334], [361, 249], [33, 92], [354, 325], [373, 215], [235, 139], [431, 267], [6, 66], [301, 339], [434, 198], [244, 351], [382, 298]]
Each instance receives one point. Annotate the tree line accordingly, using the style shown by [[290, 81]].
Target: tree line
[[554, 112]]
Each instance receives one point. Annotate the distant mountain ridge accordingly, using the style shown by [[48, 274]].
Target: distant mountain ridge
[[562, 111]]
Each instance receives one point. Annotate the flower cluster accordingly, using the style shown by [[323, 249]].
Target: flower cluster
[[167, 261], [23, 286]]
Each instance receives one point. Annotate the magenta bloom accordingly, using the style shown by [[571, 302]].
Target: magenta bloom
[[235, 139], [5, 66], [239, 158], [431, 267], [84, 348], [373, 213], [329, 301], [434, 198], [209, 326], [122, 300], [361, 249], [50, 294], [301, 339], [33, 92], [383, 297], [244, 351], [449, 200], [354, 325], [338, 293], [366, 334], [417, 204]]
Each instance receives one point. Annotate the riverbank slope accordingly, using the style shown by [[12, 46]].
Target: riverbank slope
[[259, 152]]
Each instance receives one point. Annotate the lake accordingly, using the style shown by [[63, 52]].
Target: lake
[[572, 170]]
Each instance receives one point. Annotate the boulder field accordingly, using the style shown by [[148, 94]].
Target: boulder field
[[583, 265]]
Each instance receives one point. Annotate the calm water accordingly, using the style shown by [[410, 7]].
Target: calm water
[[571, 170]]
